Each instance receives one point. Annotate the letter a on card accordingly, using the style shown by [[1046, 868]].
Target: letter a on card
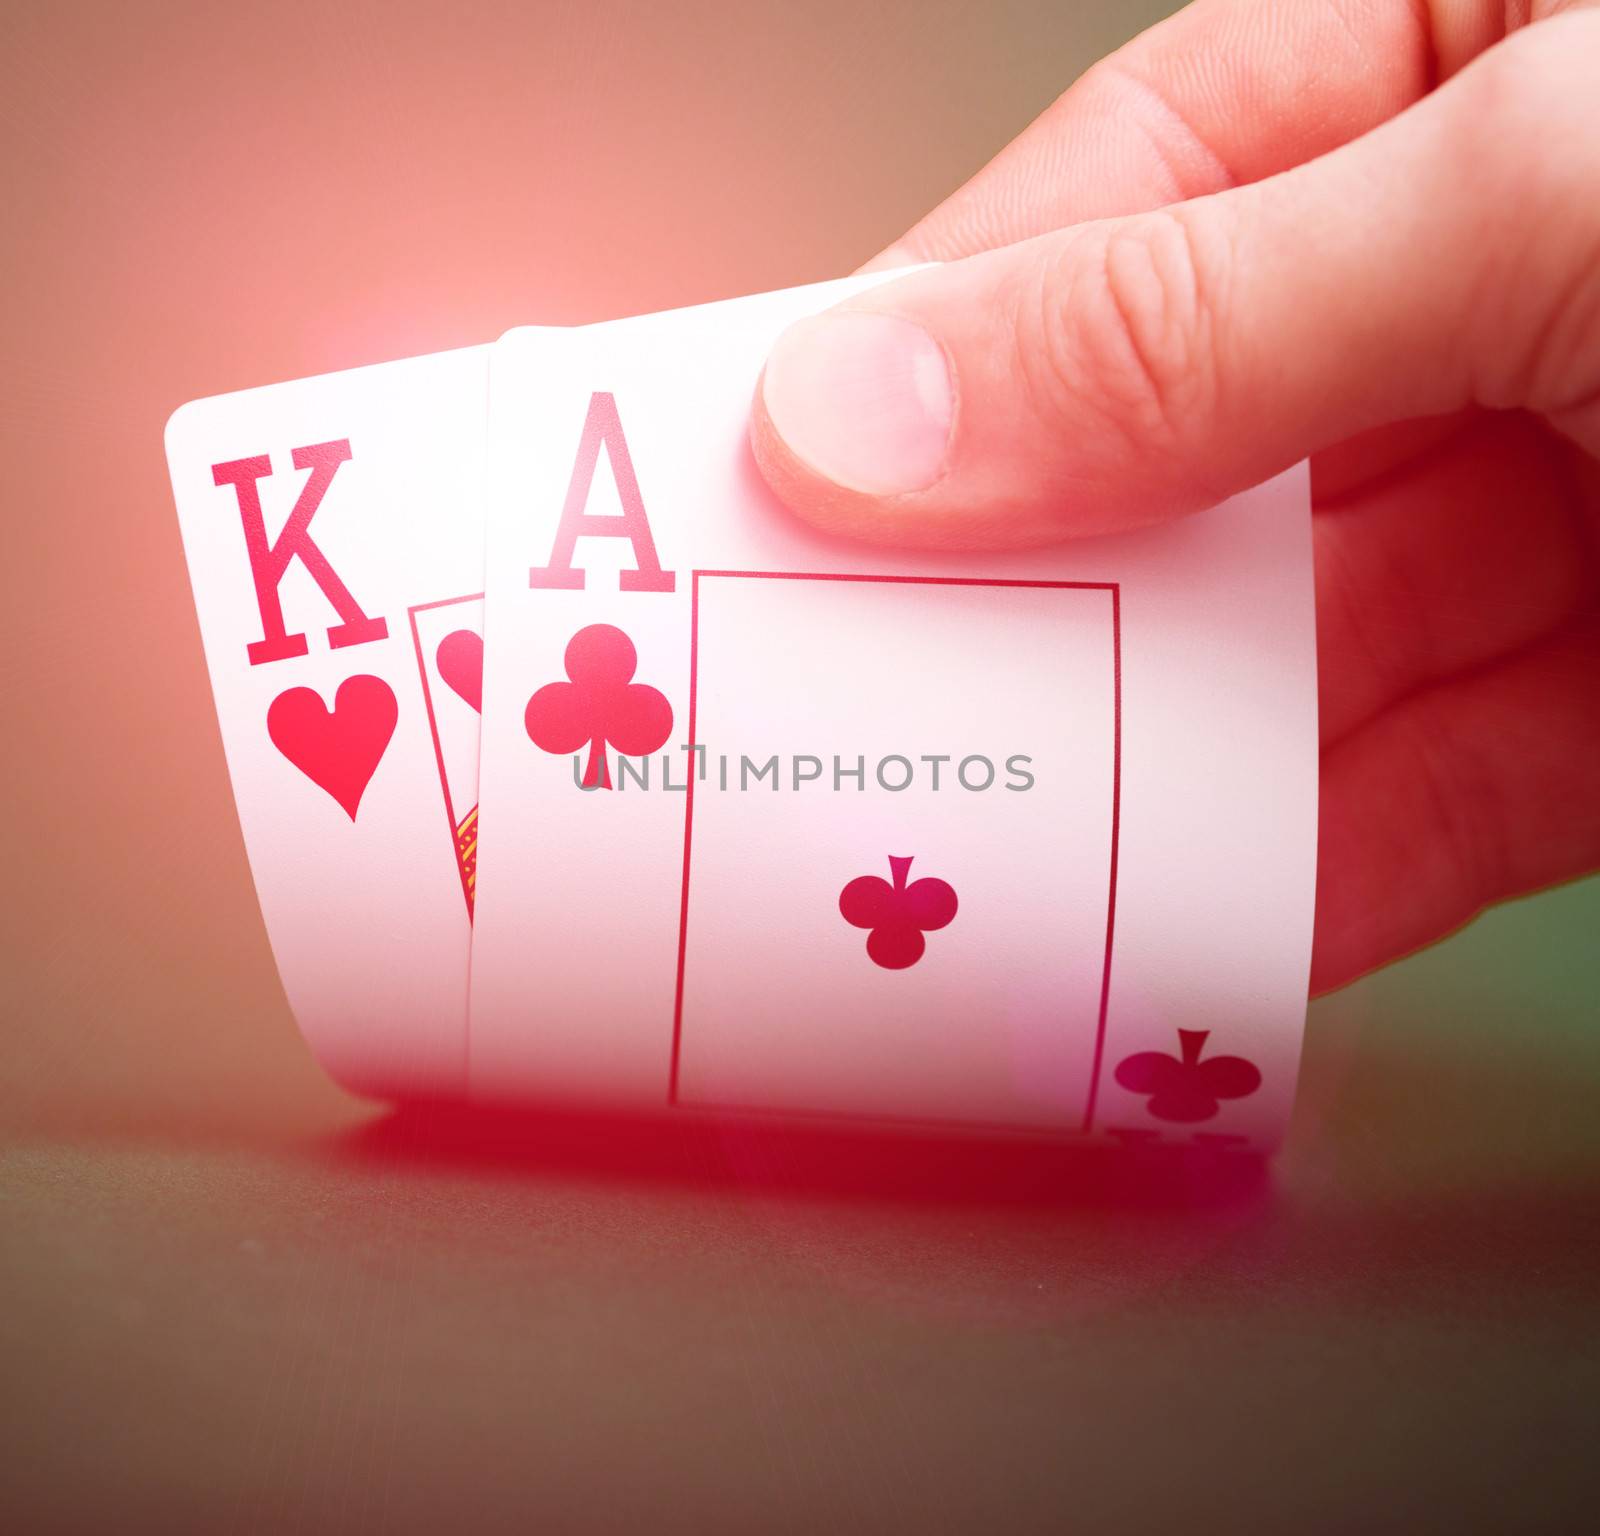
[[602, 427]]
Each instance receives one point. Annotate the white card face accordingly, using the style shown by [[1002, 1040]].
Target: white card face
[[1025, 717], [334, 533], [1098, 922]]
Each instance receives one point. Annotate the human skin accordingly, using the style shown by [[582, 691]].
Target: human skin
[[1363, 231]]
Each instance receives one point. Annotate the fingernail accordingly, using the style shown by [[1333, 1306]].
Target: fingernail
[[863, 399]]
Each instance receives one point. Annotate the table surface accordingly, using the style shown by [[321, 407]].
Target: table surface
[[236, 1300], [233, 1299]]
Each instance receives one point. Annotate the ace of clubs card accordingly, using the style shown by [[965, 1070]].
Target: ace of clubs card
[[1096, 872]]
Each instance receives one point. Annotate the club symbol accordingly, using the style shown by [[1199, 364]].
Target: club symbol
[[897, 914], [600, 703], [1187, 1089]]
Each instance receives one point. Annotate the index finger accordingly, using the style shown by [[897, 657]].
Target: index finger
[[1224, 92]]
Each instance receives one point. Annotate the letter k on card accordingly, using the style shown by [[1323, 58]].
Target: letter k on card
[[333, 529]]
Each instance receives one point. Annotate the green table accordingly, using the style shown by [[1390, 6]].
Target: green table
[[240, 1301]]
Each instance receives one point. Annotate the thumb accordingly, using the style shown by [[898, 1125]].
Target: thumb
[[1122, 371]]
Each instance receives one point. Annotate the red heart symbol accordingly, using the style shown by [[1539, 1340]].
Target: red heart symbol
[[338, 749], [460, 658]]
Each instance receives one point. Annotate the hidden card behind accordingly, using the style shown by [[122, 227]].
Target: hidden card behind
[[785, 822], [334, 533]]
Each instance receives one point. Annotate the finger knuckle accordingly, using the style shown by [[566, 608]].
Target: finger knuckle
[[1131, 326], [1527, 134], [1527, 117]]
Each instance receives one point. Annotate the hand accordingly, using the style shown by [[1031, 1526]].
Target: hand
[[1265, 230]]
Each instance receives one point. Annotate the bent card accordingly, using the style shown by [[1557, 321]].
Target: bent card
[[786, 823], [334, 533]]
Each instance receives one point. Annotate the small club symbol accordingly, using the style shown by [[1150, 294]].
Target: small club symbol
[[897, 914], [601, 703], [1187, 1089]]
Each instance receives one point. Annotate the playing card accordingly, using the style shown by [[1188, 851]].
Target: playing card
[[782, 822], [334, 533]]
